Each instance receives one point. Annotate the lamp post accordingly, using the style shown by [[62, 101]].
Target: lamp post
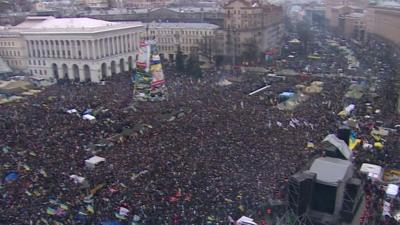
[[234, 49]]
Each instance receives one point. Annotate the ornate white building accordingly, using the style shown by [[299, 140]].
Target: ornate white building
[[78, 48], [190, 37]]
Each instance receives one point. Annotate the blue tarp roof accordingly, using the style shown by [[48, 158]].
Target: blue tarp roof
[[11, 176]]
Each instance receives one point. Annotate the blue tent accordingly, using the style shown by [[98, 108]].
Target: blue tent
[[286, 94], [109, 222], [10, 177], [87, 111]]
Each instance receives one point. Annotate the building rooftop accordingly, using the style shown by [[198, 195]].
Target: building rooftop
[[330, 170], [182, 25], [77, 25], [32, 21], [72, 23]]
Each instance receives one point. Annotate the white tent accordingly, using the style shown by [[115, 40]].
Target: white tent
[[295, 41], [373, 171], [77, 179], [88, 117], [392, 190], [95, 160], [244, 220], [70, 111]]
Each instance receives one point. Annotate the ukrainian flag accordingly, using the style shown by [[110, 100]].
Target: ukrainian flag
[[353, 141]]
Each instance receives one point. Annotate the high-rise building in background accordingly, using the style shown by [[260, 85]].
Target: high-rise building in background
[[252, 23]]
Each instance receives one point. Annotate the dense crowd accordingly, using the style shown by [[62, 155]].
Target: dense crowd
[[207, 153]]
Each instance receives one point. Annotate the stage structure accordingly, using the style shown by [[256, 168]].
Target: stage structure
[[148, 78], [327, 192]]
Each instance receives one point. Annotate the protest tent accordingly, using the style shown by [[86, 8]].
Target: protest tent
[[11, 176], [336, 147], [110, 222], [88, 117], [244, 220], [392, 190], [77, 179], [295, 41], [286, 94], [94, 161], [373, 171], [70, 111]]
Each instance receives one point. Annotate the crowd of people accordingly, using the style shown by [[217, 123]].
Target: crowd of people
[[207, 154]]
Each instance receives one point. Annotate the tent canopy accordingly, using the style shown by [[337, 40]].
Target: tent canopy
[[95, 160], [244, 220], [339, 144], [392, 190], [330, 170], [295, 41], [372, 170], [88, 117]]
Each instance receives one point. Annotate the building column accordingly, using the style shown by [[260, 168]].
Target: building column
[[87, 50], [128, 46], [69, 50], [48, 50], [108, 46], [99, 48], [82, 49], [58, 46], [124, 45], [29, 49], [44, 52], [72, 48], [93, 50], [115, 40], [130, 42], [117, 44], [76, 49], [135, 41]]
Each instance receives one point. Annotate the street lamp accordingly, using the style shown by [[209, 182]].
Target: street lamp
[[234, 49]]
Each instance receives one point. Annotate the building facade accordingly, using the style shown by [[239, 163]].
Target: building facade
[[353, 26], [190, 37], [80, 49], [383, 20], [13, 49], [12, 44], [248, 21], [95, 3], [146, 3]]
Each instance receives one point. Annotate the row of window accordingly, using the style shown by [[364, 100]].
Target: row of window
[[173, 48], [166, 48], [245, 12], [12, 62], [7, 43], [41, 72], [100, 52], [10, 53], [185, 40], [183, 32], [38, 62]]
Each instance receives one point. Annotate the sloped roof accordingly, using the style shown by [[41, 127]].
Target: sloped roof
[[246, 3], [72, 23], [330, 170], [339, 144]]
